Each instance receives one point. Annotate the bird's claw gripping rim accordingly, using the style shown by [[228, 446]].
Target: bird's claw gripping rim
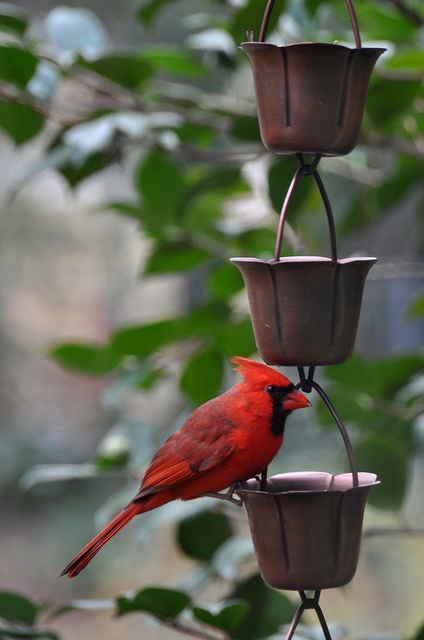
[[228, 495]]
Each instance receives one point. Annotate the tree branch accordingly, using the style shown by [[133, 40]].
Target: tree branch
[[11, 93], [393, 143], [196, 632], [407, 12], [370, 533]]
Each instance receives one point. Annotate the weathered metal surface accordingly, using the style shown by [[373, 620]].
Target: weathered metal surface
[[310, 96], [305, 310], [306, 528]]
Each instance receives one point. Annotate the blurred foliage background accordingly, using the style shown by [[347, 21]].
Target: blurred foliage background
[[131, 171]]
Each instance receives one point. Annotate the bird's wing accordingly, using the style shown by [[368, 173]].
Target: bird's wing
[[163, 473], [185, 455]]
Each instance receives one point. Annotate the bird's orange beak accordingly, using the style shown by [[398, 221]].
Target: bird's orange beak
[[295, 400]]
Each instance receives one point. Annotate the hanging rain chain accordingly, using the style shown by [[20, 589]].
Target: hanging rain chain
[[306, 526]]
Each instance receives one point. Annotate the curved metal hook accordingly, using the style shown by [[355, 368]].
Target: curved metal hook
[[309, 603], [350, 8], [308, 383], [306, 170]]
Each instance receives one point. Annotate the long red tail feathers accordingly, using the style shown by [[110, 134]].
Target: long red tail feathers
[[90, 550], [141, 505]]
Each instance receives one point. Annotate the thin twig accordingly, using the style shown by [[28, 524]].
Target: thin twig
[[396, 144], [13, 94], [407, 531], [196, 632], [413, 16]]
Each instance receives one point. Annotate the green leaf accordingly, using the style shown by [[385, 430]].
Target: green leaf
[[245, 127], [218, 40], [419, 634], [407, 175], [200, 535], [361, 210], [161, 603], [13, 19], [17, 65], [226, 180], [355, 384], [86, 358], [198, 134], [351, 404], [21, 122], [57, 473], [384, 456], [207, 319], [146, 339], [161, 184], [237, 338], [173, 61], [92, 605], [204, 201], [127, 209], [16, 608], [313, 5], [389, 99], [249, 18], [225, 281], [392, 373], [256, 242], [279, 177], [201, 215], [27, 633], [268, 610], [76, 171], [356, 380], [355, 373], [149, 380], [149, 10], [78, 161], [225, 615], [174, 256], [202, 376], [383, 22], [229, 559], [410, 59], [128, 70], [416, 306], [114, 452]]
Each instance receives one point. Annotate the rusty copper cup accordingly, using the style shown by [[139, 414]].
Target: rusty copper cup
[[310, 96], [305, 309], [306, 528]]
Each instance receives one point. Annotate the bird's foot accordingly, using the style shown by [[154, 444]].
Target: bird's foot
[[227, 495]]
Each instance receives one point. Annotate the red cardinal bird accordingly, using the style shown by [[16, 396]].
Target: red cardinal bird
[[226, 440]]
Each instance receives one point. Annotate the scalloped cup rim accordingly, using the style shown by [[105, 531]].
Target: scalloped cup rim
[[326, 45], [290, 259], [310, 482]]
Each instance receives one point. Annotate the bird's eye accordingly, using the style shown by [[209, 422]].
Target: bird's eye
[[271, 389]]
